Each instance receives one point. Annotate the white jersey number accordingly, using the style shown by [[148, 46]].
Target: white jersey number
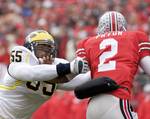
[[110, 65]]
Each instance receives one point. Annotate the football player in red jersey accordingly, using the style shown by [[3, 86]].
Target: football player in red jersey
[[114, 53]]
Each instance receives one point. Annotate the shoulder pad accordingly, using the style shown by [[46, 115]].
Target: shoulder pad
[[22, 54]]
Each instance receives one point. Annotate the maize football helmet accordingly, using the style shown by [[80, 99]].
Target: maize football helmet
[[42, 44], [111, 21]]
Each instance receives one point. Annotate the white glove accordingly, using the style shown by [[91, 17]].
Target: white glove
[[78, 65]]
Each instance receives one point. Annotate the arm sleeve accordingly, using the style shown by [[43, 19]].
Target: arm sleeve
[[145, 64], [76, 81], [25, 66], [81, 52], [25, 72]]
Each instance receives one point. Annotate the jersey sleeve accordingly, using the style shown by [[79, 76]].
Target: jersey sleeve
[[20, 54], [60, 60], [81, 51], [144, 44], [76, 81]]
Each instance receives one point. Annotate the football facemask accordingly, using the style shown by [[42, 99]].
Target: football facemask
[[42, 44]]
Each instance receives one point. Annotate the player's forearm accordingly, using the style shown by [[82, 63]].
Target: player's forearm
[[145, 64], [30, 73], [44, 72], [76, 81]]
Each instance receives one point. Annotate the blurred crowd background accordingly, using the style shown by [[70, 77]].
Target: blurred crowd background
[[70, 21]]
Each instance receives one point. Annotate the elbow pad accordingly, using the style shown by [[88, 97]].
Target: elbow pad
[[95, 87]]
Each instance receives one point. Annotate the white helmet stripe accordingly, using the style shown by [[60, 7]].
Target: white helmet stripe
[[116, 22], [110, 22]]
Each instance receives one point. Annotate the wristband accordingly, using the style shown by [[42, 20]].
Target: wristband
[[63, 69]]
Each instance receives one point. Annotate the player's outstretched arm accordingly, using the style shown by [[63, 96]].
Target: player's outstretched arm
[[45, 72], [76, 81]]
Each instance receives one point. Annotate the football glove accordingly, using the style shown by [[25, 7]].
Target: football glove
[[79, 65]]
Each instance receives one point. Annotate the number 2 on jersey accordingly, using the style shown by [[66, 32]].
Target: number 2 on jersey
[[105, 65]]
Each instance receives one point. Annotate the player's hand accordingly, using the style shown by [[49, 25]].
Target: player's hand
[[45, 60], [78, 65]]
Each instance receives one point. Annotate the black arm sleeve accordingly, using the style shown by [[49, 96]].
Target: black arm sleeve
[[94, 87]]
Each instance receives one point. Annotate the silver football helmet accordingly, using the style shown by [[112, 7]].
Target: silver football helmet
[[111, 21]]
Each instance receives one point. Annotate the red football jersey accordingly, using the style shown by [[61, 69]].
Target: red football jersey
[[115, 55]]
